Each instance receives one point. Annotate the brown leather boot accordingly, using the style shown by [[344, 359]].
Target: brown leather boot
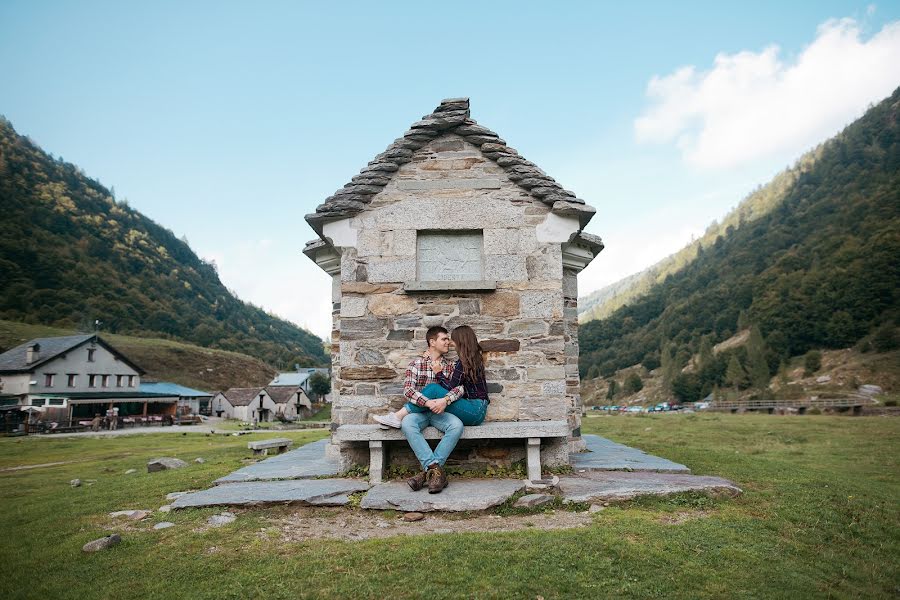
[[437, 478], [416, 483]]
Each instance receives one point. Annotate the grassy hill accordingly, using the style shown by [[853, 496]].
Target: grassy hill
[[818, 271], [70, 254], [164, 360]]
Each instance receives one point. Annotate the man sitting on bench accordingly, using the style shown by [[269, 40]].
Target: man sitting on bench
[[419, 374]]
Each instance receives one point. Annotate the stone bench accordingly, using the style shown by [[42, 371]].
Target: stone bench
[[261, 447], [531, 431]]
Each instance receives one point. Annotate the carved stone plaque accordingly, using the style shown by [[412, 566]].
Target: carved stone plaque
[[449, 256]]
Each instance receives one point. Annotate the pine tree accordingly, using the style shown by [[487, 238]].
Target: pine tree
[[612, 389], [735, 375], [757, 367], [706, 353], [667, 365]]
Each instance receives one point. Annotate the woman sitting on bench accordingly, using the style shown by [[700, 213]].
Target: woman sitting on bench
[[467, 372]]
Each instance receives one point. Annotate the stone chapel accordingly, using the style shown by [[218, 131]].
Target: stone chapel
[[451, 226]]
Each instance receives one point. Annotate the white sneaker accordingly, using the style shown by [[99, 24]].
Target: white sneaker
[[387, 421]]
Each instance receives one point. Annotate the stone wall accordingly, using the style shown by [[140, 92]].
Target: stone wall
[[527, 325]]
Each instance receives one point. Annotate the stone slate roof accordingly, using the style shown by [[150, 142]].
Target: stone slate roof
[[452, 116], [13, 361], [242, 396], [281, 394]]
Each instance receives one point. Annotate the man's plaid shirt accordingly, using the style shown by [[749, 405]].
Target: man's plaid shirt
[[420, 373]]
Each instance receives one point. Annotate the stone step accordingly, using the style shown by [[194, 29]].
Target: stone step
[[461, 495], [316, 492], [303, 463], [606, 455], [598, 486]]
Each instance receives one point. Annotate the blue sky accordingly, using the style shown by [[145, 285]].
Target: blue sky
[[227, 122]]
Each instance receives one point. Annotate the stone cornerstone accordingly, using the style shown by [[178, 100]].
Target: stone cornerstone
[[450, 226]]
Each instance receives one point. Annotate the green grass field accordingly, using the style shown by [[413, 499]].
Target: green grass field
[[819, 518]]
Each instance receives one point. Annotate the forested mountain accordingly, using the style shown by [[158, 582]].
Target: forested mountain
[[820, 270], [603, 302], [71, 254]]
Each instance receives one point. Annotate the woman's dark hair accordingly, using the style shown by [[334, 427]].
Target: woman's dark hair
[[469, 352]]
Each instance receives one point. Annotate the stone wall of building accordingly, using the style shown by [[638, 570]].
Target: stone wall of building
[[528, 325]]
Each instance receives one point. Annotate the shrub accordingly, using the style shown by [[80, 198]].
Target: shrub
[[812, 362], [633, 384]]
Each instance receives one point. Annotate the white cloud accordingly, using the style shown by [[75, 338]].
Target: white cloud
[[752, 105], [625, 255]]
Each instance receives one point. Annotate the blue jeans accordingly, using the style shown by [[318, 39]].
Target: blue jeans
[[470, 412], [414, 423]]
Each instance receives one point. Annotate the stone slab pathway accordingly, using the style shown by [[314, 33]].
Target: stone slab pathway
[[305, 462], [606, 455], [617, 485], [460, 495], [316, 492]]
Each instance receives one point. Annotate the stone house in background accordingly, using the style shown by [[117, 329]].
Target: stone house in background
[[450, 226], [245, 404], [299, 377], [291, 401]]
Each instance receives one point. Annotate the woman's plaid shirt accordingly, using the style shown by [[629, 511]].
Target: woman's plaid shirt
[[420, 373]]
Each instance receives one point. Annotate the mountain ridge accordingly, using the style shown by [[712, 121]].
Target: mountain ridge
[[818, 270], [71, 254]]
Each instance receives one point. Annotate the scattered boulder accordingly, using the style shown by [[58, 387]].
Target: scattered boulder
[[130, 471], [221, 519], [102, 544], [870, 389], [533, 500], [131, 515], [823, 379], [161, 464], [383, 525], [411, 517], [163, 525], [595, 508], [165, 508], [75, 483], [199, 460]]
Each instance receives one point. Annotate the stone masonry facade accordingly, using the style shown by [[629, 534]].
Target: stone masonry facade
[[443, 232]]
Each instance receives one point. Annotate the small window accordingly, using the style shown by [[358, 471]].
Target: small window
[[38, 401], [119, 379], [56, 402], [105, 381], [48, 379], [72, 380], [91, 352], [131, 381], [449, 256], [92, 380]]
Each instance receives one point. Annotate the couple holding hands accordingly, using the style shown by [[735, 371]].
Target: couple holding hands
[[443, 394]]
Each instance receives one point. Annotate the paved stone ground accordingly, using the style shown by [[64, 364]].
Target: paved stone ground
[[460, 495], [305, 462], [606, 455], [317, 492], [615, 485], [598, 476]]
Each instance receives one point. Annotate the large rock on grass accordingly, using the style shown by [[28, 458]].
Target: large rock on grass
[[164, 463], [102, 544]]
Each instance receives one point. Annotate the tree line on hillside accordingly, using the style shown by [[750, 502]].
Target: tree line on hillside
[[71, 255], [603, 302], [819, 271]]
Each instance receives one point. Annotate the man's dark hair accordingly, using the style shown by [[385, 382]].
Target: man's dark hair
[[432, 334]]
